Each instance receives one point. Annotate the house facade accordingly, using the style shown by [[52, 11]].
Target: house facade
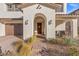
[[44, 19]]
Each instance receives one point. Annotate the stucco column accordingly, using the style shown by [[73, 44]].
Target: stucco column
[[51, 26], [75, 28]]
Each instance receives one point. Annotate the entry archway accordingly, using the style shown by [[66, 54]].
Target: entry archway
[[40, 24], [30, 13]]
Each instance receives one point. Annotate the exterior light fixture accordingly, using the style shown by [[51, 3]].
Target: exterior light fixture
[[49, 22], [26, 22]]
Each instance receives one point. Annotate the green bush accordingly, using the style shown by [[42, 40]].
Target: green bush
[[67, 41], [63, 41], [70, 41]]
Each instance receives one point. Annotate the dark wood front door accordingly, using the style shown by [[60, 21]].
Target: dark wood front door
[[39, 28]]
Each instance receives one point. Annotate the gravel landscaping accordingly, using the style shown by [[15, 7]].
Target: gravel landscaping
[[44, 48], [40, 47]]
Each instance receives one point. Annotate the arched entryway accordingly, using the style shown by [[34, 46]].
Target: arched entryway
[[40, 24], [33, 13]]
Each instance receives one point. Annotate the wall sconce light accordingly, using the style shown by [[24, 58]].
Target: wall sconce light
[[26, 22], [49, 22]]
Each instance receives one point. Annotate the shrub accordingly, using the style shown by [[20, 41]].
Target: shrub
[[17, 44], [26, 47], [70, 41], [53, 41], [56, 41], [32, 39], [60, 41], [25, 50], [65, 41], [72, 51]]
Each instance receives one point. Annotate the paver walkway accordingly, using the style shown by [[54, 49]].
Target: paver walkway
[[39, 46]]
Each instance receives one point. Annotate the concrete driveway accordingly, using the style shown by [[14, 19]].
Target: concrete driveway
[[6, 42]]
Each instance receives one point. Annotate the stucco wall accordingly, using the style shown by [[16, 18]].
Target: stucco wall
[[2, 29], [3, 7], [4, 14], [8, 14], [60, 25], [29, 14]]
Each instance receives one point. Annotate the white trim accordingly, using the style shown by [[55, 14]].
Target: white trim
[[65, 8]]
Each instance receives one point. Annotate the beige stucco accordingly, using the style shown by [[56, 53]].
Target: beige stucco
[[60, 25]]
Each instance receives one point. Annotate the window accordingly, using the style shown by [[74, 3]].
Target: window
[[12, 7], [60, 8], [9, 6]]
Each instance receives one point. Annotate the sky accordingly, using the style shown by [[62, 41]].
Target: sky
[[72, 6]]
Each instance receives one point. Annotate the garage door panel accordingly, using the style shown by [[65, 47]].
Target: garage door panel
[[9, 29]]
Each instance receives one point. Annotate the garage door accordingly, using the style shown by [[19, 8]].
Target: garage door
[[9, 29], [14, 29], [18, 29]]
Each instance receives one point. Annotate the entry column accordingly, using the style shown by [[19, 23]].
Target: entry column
[[51, 25], [75, 28]]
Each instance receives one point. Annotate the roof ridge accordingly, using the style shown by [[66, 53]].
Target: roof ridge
[[74, 11]]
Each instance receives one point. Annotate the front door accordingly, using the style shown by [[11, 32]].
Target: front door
[[39, 28]]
